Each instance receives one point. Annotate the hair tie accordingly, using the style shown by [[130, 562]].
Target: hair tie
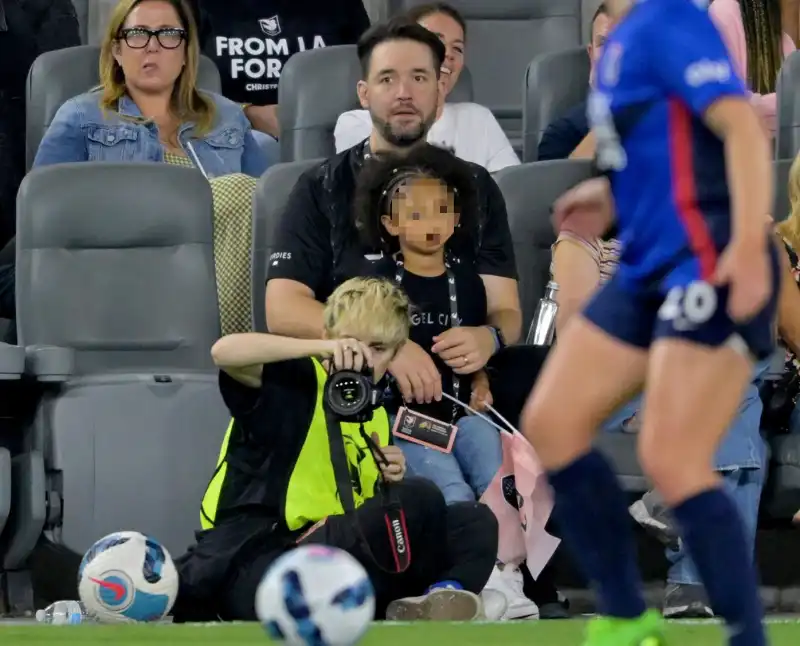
[[401, 175]]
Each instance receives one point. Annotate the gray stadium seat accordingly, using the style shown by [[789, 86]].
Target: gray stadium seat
[[270, 200], [782, 205], [117, 303], [787, 137], [504, 36], [554, 83], [5, 488], [529, 191], [98, 15], [317, 86], [82, 10], [56, 77], [588, 8]]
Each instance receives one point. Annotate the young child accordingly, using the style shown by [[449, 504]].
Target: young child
[[420, 210]]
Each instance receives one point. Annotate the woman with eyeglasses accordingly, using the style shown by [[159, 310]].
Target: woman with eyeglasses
[[148, 106]]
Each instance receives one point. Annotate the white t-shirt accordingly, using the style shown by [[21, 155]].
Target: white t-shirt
[[469, 129]]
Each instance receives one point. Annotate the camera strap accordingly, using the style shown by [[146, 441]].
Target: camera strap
[[394, 516], [454, 320]]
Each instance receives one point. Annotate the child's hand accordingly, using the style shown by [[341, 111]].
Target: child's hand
[[481, 395]]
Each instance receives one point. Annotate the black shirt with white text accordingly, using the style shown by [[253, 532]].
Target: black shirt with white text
[[251, 40], [430, 317]]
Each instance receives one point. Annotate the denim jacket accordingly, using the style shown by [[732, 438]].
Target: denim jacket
[[83, 131]]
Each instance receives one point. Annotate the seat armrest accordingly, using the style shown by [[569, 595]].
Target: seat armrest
[[49, 363], [29, 502], [12, 361], [5, 487]]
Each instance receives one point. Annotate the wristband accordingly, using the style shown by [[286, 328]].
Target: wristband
[[499, 341]]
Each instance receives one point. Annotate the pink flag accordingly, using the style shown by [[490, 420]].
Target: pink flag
[[522, 501]]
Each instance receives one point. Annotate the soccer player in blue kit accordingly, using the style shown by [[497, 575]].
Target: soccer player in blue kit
[[690, 308]]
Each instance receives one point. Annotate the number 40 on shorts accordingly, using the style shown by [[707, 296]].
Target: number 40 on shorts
[[689, 306]]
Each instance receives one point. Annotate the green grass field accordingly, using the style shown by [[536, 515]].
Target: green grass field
[[546, 633]]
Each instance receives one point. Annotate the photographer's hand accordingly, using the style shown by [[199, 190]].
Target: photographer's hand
[[349, 354], [395, 470]]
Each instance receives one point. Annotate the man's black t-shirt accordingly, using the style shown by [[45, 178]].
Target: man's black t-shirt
[[251, 40], [430, 317], [317, 243]]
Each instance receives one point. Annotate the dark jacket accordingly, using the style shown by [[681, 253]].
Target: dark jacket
[[562, 137], [27, 28]]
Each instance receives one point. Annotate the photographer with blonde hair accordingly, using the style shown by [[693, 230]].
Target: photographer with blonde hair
[[308, 458]]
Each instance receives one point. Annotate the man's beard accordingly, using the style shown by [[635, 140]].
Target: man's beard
[[406, 138]]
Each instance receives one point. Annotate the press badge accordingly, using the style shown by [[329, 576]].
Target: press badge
[[424, 430]]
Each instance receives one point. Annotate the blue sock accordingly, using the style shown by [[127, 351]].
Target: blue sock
[[592, 516], [714, 535], [445, 585]]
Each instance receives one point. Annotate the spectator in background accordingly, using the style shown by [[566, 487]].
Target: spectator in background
[[27, 28], [251, 40], [789, 311], [759, 35], [318, 245], [568, 136], [468, 129], [148, 107], [579, 267]]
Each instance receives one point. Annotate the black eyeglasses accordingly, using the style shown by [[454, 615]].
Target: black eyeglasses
[[139, 37]]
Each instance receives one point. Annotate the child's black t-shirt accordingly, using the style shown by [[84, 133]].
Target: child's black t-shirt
[[430, 317]]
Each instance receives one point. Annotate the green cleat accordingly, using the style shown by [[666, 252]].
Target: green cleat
[[647, 630]]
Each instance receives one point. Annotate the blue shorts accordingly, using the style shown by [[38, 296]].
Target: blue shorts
[[680, 304]]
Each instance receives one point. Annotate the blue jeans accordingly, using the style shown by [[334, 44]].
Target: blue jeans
[[466, 472], [270, 146], [741, 461]]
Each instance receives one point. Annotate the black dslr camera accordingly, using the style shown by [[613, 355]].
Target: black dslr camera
[[352, 396]]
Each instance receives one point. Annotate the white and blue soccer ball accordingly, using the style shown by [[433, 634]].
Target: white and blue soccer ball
[[127, 577], [316, 595]]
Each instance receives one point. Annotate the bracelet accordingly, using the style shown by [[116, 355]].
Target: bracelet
[[498, 343]]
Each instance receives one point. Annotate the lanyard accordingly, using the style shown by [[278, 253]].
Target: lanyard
[[454, 320]]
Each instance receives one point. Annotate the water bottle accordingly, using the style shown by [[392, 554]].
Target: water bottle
[[543, 326], [63, 613]]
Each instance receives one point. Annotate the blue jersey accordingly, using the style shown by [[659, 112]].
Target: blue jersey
[[661, 68]]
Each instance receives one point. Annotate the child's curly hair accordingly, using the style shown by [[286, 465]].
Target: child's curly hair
[[383, 173]]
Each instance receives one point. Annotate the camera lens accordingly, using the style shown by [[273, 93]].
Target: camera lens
[[347, 393]]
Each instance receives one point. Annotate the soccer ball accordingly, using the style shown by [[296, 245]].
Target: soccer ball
[[316, 595], [127, 577]]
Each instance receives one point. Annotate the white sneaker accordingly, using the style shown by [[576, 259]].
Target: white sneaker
[[495, 604], [507, 580], [443, 604]]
